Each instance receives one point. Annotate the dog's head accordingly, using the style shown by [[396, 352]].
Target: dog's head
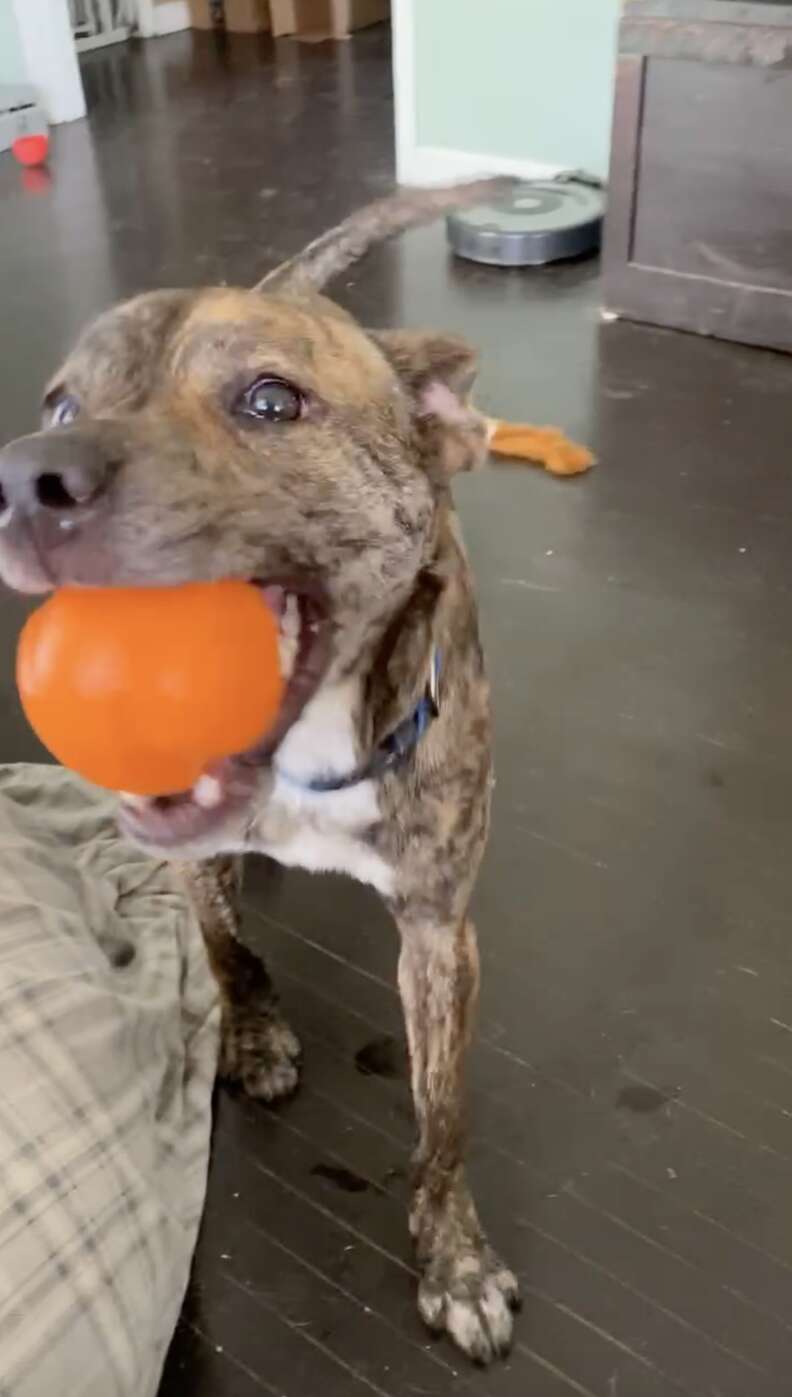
[[230, 433]]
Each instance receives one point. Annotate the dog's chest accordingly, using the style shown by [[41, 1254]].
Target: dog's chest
[[323, 830]]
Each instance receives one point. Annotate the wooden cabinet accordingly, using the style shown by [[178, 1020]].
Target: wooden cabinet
[[699, 223]]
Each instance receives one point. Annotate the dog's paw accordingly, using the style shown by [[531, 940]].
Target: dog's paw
[[260, 1052], [472, 1296]]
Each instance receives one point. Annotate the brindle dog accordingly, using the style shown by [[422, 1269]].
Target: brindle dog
[[264, 435]]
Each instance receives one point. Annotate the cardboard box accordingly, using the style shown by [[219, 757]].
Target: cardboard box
[[201, 16], [325, 19], [247, 16], [237, 16]]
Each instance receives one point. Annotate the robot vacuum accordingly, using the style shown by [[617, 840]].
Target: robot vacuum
[[534, 223]]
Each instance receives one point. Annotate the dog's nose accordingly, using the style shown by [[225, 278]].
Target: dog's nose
[[55, 471]]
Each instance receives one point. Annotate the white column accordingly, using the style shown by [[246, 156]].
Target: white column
[[47, 42], [403, 44], [162, 17]]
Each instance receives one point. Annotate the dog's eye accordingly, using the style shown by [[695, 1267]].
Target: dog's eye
[[270, 400], [64, 411]]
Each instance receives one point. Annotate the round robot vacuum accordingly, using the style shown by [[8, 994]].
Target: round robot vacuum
[[532, 224]]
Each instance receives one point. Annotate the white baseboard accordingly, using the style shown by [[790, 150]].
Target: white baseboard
[[436, 165], [155, 20], [100, 41]]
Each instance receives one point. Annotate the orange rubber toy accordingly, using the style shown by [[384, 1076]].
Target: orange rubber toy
[[141, 689]]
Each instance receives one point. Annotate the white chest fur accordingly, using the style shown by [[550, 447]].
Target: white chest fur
[[323, 830]]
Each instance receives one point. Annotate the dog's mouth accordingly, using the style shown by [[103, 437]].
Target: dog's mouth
[[225, 789]]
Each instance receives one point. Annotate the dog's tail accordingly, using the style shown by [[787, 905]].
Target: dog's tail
[[329, 254]]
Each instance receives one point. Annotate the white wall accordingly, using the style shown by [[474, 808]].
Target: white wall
[[48, 57], [13, 67], [514, 86], [162, 17]]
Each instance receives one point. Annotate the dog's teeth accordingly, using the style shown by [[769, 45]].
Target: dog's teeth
[[207, 792], [290, 616], [289, 634], [139, 802]]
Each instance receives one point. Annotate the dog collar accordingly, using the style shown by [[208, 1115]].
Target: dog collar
[[393, 750]]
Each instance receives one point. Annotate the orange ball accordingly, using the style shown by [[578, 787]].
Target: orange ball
[[140, 689]]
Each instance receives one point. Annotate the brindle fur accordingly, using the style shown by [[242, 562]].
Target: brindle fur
[[357, 494], [258, 1049]]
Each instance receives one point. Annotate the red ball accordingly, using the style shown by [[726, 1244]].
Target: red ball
[[30, 150]]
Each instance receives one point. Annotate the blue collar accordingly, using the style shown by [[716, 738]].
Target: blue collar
[[393, 750]]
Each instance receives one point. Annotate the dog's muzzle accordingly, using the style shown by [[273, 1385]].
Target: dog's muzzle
[[56, 472], [51, 484]]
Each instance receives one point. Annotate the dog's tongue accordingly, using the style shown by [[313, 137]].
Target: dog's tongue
[[213, 787]]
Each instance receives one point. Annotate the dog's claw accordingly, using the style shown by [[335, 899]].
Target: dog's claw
[[261, 1053], [473, 1297]]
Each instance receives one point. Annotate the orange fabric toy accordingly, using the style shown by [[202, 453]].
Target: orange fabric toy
[[140, 689], [546, 446]]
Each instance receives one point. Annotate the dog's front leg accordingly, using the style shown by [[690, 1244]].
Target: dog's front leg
[[258, 1049], [464, 1288]]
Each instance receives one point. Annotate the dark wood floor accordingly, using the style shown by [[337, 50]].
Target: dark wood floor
[[632, 1086]]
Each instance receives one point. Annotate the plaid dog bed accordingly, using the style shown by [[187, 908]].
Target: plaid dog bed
[[108, 1047]]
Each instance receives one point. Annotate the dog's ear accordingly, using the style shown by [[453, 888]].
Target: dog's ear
[[438, 372]]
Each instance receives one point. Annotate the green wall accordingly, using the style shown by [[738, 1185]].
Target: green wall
[[12, 61], [529, 79]]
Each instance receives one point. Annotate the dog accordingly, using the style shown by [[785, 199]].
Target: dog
[[262, 434]]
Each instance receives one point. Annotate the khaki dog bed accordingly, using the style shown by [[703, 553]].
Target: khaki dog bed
[[108, 1046]]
